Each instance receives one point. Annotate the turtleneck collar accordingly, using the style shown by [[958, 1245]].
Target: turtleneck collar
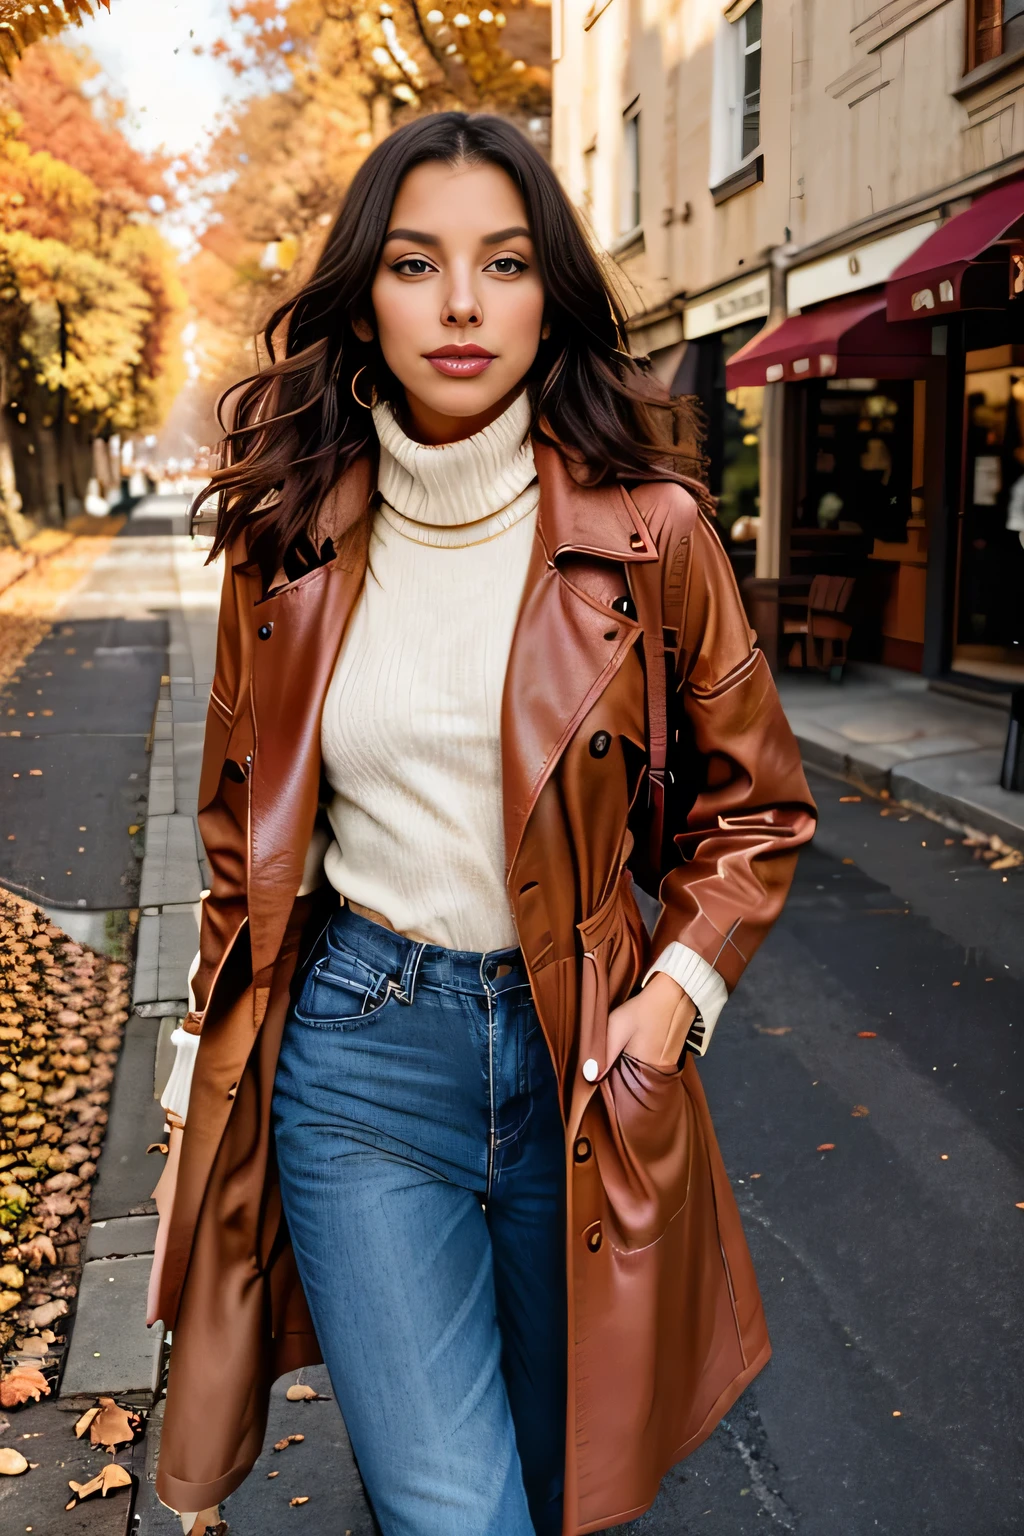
[[456, 483]]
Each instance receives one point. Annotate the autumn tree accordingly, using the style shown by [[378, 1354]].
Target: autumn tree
[[90, 300]]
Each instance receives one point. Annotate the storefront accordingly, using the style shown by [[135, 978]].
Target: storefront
[[716, 326], [858, 487], [966, 285]]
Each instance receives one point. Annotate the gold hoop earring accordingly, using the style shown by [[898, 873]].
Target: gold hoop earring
[[373, 391]]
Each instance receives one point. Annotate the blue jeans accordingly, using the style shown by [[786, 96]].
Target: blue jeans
[[421, 1158]]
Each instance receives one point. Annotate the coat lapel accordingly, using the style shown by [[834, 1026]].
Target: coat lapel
[[297, 635], [566, 647]]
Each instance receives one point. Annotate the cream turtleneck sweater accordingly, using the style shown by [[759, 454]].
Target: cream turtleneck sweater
[[412, 720], [411, 723]]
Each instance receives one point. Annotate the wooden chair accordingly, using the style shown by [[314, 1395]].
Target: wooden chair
[[820, 638]]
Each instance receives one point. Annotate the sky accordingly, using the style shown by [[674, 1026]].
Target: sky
[[145, 48]]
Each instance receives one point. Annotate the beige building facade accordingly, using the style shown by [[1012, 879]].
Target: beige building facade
[[761, 164]]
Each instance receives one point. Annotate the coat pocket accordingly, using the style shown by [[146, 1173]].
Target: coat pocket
[[642, 1127], [640, 1121]]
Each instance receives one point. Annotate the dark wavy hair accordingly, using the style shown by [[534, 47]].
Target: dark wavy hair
[[296, 427]]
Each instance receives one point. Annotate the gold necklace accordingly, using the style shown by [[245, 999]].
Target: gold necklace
[[449, 527], [474, 523]]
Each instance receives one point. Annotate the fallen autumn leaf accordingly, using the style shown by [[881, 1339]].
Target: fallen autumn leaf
[[22, 1383], [112, 1476], [299, 1392]]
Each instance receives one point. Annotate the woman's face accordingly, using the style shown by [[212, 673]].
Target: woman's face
[[457, 298]]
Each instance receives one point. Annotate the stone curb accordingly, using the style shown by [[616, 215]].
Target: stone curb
[[961, 789]]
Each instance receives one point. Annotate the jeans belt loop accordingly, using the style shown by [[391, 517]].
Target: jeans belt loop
[[403, 986]]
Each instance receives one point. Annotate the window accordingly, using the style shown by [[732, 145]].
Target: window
[[736, 112], [629, 212], [994, 27], [751, 126]]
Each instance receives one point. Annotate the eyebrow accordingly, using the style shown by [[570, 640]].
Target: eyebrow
[[418, 237]]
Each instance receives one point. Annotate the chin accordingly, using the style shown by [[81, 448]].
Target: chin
[[462, 397]]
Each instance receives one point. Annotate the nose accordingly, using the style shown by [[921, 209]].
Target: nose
[[462, 305]]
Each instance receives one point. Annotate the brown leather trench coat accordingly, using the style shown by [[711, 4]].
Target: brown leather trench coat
[[665, 1320]]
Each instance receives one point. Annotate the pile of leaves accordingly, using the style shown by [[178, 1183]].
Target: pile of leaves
[[62, 1014]]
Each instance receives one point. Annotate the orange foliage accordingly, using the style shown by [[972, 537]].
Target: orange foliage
[[56, 116]]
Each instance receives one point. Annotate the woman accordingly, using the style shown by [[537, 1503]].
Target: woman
[[445, 1130]]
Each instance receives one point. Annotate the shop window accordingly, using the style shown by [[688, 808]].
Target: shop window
[[859, 461], [994, 27], [733, 436], [629, 212], [736, 108], [859, 509], [990, 583]]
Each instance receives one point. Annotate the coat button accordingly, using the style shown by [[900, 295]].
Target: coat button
[[265, 631], [599, 743], [590, 1069], [581, 1151], [594, 1238]]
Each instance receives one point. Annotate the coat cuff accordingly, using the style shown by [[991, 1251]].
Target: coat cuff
[[701, 983]]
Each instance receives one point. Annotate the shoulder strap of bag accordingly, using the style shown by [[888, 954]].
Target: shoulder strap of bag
[[657, 589]]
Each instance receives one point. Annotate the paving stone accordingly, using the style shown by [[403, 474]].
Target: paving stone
[[121, 1237], [170, 871], [147, 957], [125, 1176], [188, 758], [178, 942], [111, 1350]]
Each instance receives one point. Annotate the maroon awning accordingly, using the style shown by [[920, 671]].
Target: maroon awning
[[972, 262], [847, 338]]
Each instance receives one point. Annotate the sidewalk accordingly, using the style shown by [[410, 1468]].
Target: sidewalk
[[153, 568], [888, 730]]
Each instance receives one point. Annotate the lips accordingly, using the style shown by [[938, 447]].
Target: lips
[[460, 362]]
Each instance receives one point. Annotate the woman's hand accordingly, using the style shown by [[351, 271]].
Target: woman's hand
[[655, 1023]]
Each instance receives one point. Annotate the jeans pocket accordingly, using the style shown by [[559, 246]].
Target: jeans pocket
[[338, 996]]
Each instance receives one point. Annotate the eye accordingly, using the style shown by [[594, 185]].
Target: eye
[[506, 266], [412, 266]]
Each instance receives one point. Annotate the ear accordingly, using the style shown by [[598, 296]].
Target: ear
[[363, 329]]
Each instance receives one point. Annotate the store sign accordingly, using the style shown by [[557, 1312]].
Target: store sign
[[850, 271], [749, 299]]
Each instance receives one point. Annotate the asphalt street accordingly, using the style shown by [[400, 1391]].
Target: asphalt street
[[866, 1084]]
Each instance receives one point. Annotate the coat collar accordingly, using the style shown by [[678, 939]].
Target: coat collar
[[587, 520], [572, 517]]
